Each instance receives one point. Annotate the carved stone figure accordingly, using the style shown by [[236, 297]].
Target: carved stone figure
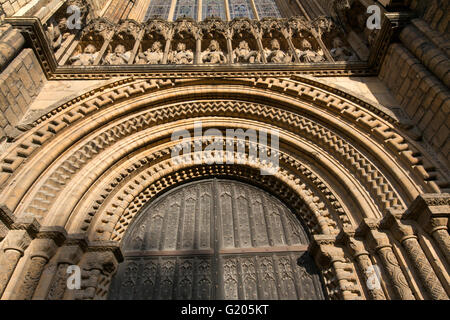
[[57, 33], [342, 53], [119, 56], [153, 55], [87, 58], [275, 54], [243, 54], [181, 55], [307, 54], [213, 55]]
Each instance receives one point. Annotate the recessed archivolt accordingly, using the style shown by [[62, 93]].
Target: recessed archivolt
[[114, 219], [124, 97], [130, 180], [80, 183], [76, 134], [65, 184]]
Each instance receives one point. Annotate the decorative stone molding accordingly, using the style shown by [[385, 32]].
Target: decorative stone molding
[[53, 283], [363, 261], [314, 45], [330, 257], [380, 243], [406, 234], [14, 245], [98, 265], [432, 213], [308, 206]]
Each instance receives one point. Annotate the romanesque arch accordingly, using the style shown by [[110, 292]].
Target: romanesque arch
[[73, 183]]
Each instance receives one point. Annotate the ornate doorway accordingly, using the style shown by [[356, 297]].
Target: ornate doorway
[[216, 239]]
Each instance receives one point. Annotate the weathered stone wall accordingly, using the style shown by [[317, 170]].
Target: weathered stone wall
[[19, 85], [417, 71], [435, 12], [10, 7]]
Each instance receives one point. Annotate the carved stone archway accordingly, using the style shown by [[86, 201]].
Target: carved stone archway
[[72, 184]]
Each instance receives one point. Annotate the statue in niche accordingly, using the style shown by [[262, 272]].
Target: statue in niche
[[153, 55], [243, 54], [119, 56], [57, 33], [307, 54], [87, 58], [181, 55], [342, 53], [275, 54], [213, 55]]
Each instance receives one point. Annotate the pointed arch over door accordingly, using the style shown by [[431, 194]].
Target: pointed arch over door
[[216, 239]]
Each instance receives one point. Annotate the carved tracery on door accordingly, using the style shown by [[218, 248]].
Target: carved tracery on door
[[216, 239]]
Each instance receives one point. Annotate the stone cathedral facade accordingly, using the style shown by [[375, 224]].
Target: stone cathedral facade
[[92, 92]]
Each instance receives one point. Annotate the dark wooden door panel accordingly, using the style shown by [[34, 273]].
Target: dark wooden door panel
[[216, 239]]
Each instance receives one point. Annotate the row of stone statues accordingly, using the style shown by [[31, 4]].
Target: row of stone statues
[[214, 55]]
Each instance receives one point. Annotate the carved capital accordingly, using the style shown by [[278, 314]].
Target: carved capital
[[370, 229], [27, 223], [431, 211], [57, 234], [324, 250], [44, 248], [102, 255], [18, 240], [401, 229]]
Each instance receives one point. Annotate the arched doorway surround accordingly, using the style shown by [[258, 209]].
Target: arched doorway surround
[[347, 167]]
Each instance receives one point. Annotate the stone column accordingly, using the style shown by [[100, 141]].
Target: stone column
[[365, 265], [287, 33], [329, 256], [17, 240], [405, 234], [14, 246], [40, 252], [437, 228], [11, 42], [53, 282], [381, 244]]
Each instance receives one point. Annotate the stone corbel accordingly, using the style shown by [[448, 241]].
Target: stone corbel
[[380, 243], [329, 256], [406, 235]]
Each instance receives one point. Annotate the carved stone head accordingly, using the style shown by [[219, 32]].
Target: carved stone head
[[90, 49], [181, 47], [214, 46], [306, 45], [243, 45], [275, 44], [120, 49], [156, 47], [62, 24]]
